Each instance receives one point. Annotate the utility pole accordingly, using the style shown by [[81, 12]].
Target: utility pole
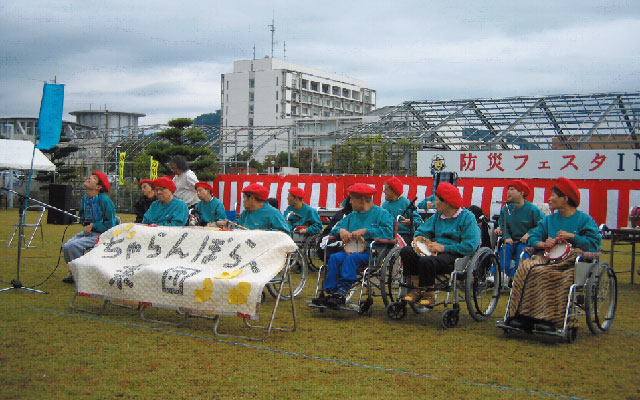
[[272, 28]]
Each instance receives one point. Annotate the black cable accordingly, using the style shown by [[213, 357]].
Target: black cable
[[58, 263]]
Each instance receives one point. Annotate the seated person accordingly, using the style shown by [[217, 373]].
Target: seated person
[[300, 214], [210, 209], [144, 201], [97, 215], [483, 224], [258, 213], [517, 218], [167, 210], [398, 205], [452, 232], [540, 294], [366, 221]]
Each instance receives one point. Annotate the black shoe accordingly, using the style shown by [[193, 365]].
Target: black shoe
[[69, 279], [320, 301], [510, 283], [544, 327], [336, 301]]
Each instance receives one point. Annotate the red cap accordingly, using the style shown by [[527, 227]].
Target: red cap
[[450, 194], [165, 183], [395, 185], [204, 185], [362, 189], [104, 181], [569, 189], [148, 181], [521, 186], [257, 190], [298, 192]]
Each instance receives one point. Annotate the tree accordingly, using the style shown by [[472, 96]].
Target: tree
[[64, 173], [191, 143], [374, 155], [305, 155], [211, 119]]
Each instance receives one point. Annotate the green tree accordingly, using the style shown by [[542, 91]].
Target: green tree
[[188, 142], [64, 173], [211, 119], [373, 154]]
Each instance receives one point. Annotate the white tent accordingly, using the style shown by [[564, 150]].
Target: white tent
[[16, 154]]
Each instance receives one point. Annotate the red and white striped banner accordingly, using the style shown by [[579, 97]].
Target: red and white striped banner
[[607, 201]]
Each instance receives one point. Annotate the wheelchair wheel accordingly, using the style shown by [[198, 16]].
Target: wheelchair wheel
[[570, 335], [310, 245], [601, 298], [396, 310], [298, 277], [391, 277], [450, 318], [482, 290]]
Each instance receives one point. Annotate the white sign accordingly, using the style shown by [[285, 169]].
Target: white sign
[[199, 269], [542, 164]]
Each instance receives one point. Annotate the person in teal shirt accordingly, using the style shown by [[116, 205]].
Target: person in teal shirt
[[167, 210], [517, 218], [367, 221], [567, 223], [258, 213], [210, 209], [300, 214], [398, 206], [452, 232], [97, 215]]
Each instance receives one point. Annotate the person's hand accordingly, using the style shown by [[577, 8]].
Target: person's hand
[[87, 229], [497, 231], [345, 235], [359, 233], [429, 204], [549, 243], [302, 231], [405, 221], [524, 238], [221, 224], [435, 247], [508, 241], [565, 235]]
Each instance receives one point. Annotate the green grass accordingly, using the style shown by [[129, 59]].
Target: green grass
[[50, 351]]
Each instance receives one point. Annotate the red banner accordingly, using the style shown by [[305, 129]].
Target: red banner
[[607, 201]]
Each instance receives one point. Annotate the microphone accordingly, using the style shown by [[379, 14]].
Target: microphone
[[414, 200]]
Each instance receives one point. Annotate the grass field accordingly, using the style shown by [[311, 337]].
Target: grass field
[[50, 351]]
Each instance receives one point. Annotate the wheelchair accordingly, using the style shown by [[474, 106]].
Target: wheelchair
[[594, 294], [299, 269], [369, 283], [474, 280]]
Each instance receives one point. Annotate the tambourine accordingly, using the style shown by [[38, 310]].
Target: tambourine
[[421, 246], [558, 251], [354, 246]]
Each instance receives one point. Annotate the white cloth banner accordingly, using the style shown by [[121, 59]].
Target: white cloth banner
[[197, 269]]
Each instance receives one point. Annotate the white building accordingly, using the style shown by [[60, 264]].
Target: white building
[[274, 93]]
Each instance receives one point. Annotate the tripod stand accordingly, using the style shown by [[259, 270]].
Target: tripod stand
[[15, 283]]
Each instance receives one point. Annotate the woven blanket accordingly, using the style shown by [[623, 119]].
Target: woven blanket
[[191, 268], [540, 290]]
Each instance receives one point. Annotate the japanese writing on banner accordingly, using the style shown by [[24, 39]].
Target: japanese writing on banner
[[541, 164], [153, 173], [122, 156]]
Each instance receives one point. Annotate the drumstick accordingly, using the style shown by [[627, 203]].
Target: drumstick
[[238, 225]]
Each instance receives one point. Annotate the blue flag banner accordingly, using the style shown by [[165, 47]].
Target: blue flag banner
[[50, 120]]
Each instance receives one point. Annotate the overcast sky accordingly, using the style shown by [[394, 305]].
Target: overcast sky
[[165, 58]]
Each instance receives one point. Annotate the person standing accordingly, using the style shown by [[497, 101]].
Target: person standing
[[185, 180]]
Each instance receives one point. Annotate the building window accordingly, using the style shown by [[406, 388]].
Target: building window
[[305, 111], [337, 104], [336, 90], [305, 98], [325, 88], [347, 106], [294, 110], [276, 108], [326, 113], [356, 107], [251, 109], [314, 86], [250, 121], [316, 100], [305, 84], [276, 95], [252, 83], [327, 102], [294, 82], [355, 95], [345, 93], [227, 85], [276, 81], [251, 96], [316, 111]]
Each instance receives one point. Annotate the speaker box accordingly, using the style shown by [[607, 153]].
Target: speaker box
[[59, 197]]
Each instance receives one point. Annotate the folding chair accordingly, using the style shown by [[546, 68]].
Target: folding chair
[[35, 226]]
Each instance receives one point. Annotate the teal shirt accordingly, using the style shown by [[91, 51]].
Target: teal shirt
[[266, 217], [399, 206], [516, 221], [306, 216], [457, 234], [211, 211], [587, 237], [174, 213], [423, 203], [377, 221], [98, 210]]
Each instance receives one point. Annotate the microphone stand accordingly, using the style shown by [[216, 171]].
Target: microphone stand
[[411, 208], [15, 283]]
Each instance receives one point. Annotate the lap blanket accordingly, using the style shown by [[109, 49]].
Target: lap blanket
[[192, 268], [540, 290]]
